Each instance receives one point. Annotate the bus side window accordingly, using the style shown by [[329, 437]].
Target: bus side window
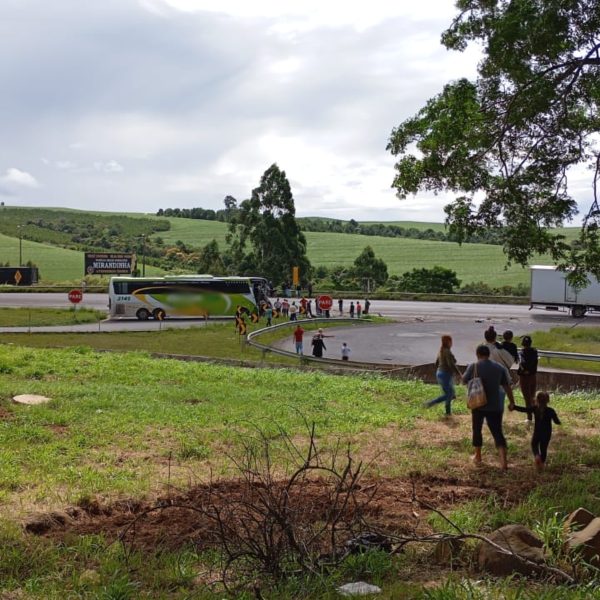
[[120, 287]]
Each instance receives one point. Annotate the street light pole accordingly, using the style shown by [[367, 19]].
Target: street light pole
[[143, 255], [20, 246]]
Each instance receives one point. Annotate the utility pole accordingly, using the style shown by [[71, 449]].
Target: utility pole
[[19, 228], [143, 255]]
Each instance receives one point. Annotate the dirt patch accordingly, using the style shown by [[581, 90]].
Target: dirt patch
[[174, 521], [5, 414]]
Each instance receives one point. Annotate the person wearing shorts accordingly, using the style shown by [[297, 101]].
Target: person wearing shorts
[[494, 378]]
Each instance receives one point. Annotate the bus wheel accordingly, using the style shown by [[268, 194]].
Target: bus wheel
[[143, 314], [159, 314], [578, 312]]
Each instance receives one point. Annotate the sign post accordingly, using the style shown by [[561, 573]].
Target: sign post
[[75, 297], [325, 303]]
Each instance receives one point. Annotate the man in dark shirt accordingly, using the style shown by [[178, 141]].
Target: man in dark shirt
[[496, 381]]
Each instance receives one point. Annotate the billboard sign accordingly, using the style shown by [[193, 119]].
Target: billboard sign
[[106, 263]]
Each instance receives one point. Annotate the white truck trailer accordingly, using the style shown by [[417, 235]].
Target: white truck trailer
[[550, 290]]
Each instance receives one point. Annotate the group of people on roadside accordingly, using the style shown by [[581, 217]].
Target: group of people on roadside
[[317, 343], [355, 309], [292, 310], [494, 361]]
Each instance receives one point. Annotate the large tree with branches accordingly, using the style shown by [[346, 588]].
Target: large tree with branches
[[264, 236], [507, 142]]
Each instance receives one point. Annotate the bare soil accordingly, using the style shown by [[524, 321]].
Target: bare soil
[[174, 520]]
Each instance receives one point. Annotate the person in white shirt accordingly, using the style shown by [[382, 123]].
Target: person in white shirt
[[346, 351]]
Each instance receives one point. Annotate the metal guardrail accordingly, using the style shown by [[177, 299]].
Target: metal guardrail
[[568, 355]]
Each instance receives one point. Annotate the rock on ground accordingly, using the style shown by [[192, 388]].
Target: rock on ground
[[517, 539], [359, 588]]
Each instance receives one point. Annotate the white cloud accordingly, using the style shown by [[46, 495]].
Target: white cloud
[[316, 13], [16, 177], [141, 104], [111, 166]]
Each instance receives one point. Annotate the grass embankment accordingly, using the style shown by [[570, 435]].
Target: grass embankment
[[216, 340], [39, 317], [123, 425], [583, 340]]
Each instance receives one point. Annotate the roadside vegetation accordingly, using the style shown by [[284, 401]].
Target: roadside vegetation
[[38, 317], [125, 429], [583, 340], [213, 340]]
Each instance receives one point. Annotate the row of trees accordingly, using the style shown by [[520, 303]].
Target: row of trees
[[394, 231]]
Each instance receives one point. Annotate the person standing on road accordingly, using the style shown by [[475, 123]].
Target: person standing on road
[[493, 377], [293, 311], [298, 339], [446, 370], [527, 372], [318, 346], [346, 351]]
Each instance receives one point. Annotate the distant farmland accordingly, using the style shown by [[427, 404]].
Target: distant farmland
[[472, 262]]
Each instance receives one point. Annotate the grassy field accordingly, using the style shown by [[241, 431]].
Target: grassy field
[[54, 263], [24, 317], [215, 340], [472, 262], [126, 427]]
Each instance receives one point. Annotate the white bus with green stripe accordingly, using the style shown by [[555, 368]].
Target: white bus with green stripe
[[184, 296]]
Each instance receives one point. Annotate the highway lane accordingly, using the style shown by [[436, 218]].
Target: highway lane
[[388, 308]]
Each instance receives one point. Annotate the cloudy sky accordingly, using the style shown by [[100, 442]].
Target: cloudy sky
[[136, 105]]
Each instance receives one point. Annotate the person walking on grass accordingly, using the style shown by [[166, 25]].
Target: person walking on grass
[[358, 310], [446, 370], [269, 315], [293, 312], [542, 430], [352, 310], [341, 306], [527, 372], [494, 378]]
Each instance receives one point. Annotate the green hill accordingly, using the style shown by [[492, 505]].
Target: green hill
[[54, 263], [472, 262]]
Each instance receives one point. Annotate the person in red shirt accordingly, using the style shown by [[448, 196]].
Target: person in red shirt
[[298, 337]]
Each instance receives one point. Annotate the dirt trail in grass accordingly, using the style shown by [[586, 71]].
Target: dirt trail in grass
[[166, 523]]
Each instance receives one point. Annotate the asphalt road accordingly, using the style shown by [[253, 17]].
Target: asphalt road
[[413, 339]]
